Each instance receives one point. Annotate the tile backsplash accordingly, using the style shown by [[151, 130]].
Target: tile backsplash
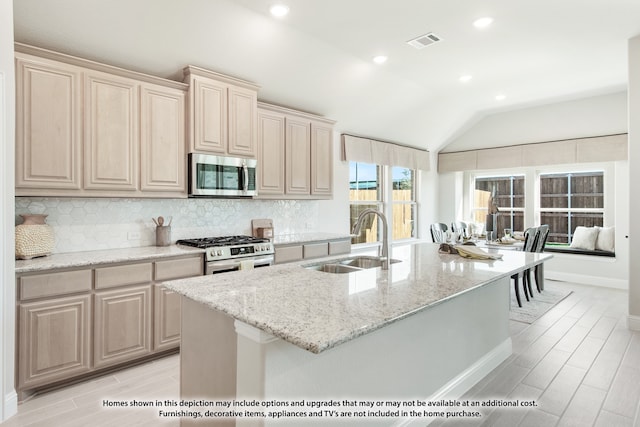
[[82, 224]]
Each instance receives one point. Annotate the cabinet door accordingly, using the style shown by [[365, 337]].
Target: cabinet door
[[209, 116], [243, 122], [48, 124], [53, 340], [298, 156], [321, 160], [111, 134], [122, 326], [166, 332], [162, 148], [271, 153]]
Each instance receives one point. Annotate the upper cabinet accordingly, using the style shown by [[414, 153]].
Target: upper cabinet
[[295, 154], [91, 130], [222, 114], [48, 125]]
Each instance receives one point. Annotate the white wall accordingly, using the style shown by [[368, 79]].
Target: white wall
[[592, 116], [8, 398], [634, 181]]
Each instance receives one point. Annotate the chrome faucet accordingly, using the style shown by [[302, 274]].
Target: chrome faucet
[[385, 234]]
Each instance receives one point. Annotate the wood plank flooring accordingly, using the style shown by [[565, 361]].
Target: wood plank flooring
[[579, 362]]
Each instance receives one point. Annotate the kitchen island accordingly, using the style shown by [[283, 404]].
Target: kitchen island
[[429, 327]]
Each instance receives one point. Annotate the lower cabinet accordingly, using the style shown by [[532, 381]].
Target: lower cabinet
[[166, 318], [53, 340], [122, 328], [76, 322]]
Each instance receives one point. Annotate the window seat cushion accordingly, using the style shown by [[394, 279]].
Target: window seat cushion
[[570, 250]]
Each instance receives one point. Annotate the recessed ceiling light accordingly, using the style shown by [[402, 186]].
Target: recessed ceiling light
[[279, 10], [500, 97], [465, 78], [380, 59], [483, 22]]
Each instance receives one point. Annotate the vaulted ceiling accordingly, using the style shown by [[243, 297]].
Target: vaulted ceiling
[[319, 57]]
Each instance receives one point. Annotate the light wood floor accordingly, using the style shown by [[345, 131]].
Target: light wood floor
[[579, 363]]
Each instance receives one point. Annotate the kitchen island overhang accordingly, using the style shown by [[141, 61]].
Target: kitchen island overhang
[[432, 325]]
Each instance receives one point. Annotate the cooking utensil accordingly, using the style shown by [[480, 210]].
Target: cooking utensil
[[154, 220]]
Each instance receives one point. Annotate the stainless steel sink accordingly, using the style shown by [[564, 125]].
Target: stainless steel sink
[[365, 262], [349, 265], [333, 268]]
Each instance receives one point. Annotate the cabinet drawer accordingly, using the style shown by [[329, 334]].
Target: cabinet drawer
[[178, 268], [315, 250], [108, 277], [288, 253], [45, 285], [340, 247]]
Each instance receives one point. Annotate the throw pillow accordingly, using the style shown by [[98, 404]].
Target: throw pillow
[[606, 240], [584, 238]]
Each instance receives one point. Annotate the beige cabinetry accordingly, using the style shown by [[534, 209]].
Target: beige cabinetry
[[311, 249], [222, 114], [162, 139], [122, 327], [295, 154], [271, 153], [53, 340], [48, 125], [111, 132], [80, 321], [90, 130]]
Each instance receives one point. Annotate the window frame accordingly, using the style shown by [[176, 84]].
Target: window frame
[[532, 190], [385, 202], [569, 209]]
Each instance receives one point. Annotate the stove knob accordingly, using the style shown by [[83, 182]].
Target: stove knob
[[219, 252]]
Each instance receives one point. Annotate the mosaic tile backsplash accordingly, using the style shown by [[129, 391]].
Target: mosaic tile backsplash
[[91, 224]]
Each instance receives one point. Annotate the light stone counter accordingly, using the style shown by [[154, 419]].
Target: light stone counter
[[317, 311], [91, 258]]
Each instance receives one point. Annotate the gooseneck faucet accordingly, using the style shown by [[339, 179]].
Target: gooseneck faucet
[[385, 234]]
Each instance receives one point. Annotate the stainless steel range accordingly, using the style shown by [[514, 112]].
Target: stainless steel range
[[233, 252]]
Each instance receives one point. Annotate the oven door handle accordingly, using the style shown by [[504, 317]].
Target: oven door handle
[[216, 266], [245, 176]]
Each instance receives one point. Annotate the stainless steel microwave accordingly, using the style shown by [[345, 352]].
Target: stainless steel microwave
[[220, 176]]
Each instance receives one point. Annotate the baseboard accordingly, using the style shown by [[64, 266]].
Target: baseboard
[[587, 280], [459, 385], [633, 322], [10, 407]]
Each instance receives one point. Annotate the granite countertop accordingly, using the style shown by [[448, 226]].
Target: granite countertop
[[317, 311], [106, 256], [293, 238]]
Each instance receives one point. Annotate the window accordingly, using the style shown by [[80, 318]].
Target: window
[[364, 193], [370, 187], [509, 197], [569, 200], [403, 203]]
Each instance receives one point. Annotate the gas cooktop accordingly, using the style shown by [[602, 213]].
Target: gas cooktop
[[208, 242]]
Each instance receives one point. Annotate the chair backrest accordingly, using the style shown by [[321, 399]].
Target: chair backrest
[[438, 232], [460, 227], [530, 239], [543, 233]]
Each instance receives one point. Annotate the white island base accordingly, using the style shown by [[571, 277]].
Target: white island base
[[438, 352]]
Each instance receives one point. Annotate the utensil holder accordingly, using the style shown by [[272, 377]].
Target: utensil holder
[[163, 235]]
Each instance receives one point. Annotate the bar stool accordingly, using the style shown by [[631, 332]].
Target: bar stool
[[530, 241]]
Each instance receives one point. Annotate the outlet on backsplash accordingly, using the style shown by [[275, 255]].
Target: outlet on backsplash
[[134, 235]]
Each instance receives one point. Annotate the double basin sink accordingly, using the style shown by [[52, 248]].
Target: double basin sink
[[349, 265]]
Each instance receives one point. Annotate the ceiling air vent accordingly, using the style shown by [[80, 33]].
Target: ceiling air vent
[[424, 40]]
